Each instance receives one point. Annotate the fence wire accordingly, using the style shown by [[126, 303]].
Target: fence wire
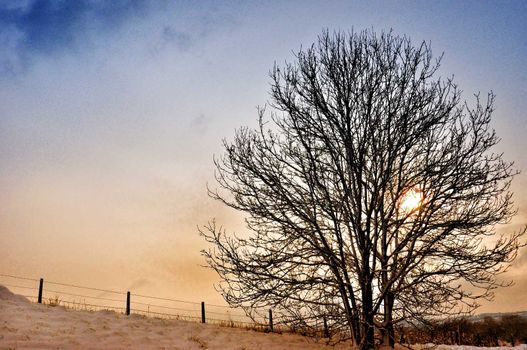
[[76, 300]]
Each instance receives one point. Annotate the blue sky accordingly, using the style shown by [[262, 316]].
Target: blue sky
[[111, 111]]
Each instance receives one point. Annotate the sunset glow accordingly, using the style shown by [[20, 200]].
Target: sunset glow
[[411, 200], [111, 113]]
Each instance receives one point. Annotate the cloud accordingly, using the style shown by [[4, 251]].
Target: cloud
[[10, 59], [35, 29], [16, 4], [200, 124], [181, 39], [42, 27]]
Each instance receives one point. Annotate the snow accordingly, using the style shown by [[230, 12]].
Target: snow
[[27, 325], [469, 347]]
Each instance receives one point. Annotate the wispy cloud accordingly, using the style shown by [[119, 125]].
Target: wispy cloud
[[42, 27], [32, 29], [181, 39]]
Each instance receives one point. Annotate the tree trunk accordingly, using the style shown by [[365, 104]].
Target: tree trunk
[[388, 331], [357, 329], [368, 335]]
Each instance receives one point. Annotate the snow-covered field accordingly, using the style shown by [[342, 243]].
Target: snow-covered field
[[468, 347], [26, 325]]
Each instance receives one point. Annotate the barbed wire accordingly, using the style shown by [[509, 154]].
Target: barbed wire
[[167, 307], [222, 313], [81, 296], [113, 291], [165, 299], [179, 300], [18, 277], [141, 311], [83, 287], [228, 315], [24, 287], [97, 306]]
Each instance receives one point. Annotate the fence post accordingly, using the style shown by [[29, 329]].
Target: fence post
[[271, 319], [128, 303], [40, 287], [326, 330], [202, 312]]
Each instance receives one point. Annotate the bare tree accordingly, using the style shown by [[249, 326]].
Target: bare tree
[[371, 195]]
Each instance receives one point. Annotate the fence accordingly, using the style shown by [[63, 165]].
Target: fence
[[89, 298]]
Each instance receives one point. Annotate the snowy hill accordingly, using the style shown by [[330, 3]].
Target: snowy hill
[[26, 325]]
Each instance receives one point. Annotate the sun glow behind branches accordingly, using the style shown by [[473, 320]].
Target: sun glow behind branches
[[411, 200]]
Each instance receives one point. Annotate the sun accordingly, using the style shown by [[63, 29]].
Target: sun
[[411, 200]]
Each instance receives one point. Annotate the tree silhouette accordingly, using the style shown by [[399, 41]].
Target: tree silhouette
[[370, 194]]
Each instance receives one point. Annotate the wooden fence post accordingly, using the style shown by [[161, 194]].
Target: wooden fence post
[[326, 329], [271, 319], [128, 303], [40, 287], [202, 312]]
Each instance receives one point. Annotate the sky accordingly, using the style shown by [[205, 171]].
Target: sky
[[111, 113]]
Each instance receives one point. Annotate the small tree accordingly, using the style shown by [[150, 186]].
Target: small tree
[[371, 197]]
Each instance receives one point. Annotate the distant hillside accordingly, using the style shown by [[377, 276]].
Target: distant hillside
[[498, 315]]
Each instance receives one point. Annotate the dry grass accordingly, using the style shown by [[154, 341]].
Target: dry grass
[[55, 301], [257, 327], [201, 343]]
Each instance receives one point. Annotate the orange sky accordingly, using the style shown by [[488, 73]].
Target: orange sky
[[110, 117]]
